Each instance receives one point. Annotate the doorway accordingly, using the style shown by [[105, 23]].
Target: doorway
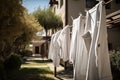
[[37, 50]]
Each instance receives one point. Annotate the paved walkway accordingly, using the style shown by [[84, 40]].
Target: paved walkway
[[61, 73]]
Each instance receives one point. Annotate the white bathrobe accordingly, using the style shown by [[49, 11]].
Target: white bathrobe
[[64, 43], [54, 52], [73, 45], [98, 61], [51, 48], [78, 50]]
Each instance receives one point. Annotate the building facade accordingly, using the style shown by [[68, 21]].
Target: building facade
[[113, 24], [70, 9], [36, 47]]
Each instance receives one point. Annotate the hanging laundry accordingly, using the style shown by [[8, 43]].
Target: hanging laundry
[[73, 47], [54, 52], [51, 48], [64, 43], [78, 51], [98, 67]]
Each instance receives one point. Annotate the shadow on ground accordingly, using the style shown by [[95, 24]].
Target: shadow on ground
[[42, 61], [32, 74], [37, 61]]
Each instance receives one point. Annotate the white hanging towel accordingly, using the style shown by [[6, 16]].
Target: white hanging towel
[[73, 45], [78, 50], [51, 48], [98, 61], [54, 52], [64, 43]]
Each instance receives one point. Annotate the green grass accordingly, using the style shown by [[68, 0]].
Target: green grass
[[35, 63], [29, 71], [32, 64]]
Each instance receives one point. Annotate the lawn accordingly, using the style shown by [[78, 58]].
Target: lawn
[[33, 70]]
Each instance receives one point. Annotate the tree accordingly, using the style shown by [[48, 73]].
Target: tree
[[47, 19], [9, 22], [31, 26], [16, 26]]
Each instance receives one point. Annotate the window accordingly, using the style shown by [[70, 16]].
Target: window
[[36, 49], [91, 3]]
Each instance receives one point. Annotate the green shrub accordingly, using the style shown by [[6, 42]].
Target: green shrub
[[13, 63], [115, 59], [115, 64], [26, 53]]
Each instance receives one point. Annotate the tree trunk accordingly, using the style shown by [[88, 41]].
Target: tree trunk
[[46, 42]]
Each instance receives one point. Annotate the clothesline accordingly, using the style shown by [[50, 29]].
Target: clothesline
[[105, 2], [108, 2], [79, 15]]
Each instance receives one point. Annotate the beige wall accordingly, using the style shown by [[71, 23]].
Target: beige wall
[[49, 32], [75, 7], [60, 10]]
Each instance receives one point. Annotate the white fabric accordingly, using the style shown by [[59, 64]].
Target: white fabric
[[54, 52], [87, 40], [98, 61], [73, 47], [64, 43], [78, 50], [51, 48]]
